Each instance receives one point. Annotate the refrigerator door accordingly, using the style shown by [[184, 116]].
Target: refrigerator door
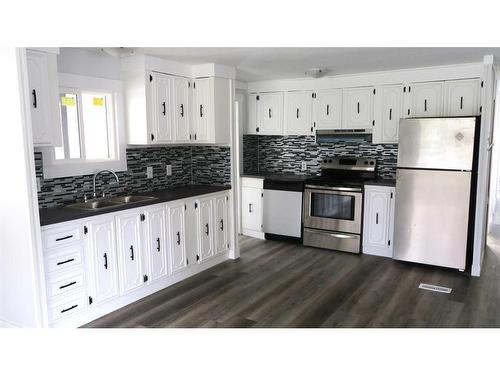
[[436, 143], [431, 218]]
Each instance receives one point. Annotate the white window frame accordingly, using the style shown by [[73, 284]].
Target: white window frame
[[54, 168]]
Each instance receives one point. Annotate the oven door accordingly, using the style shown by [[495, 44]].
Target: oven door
[[335, 209]]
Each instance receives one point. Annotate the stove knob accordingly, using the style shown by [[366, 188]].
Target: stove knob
[[329, 161], [366, 162], [372, 162]]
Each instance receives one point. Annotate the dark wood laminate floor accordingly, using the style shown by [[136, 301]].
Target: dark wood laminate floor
[[276, 284]]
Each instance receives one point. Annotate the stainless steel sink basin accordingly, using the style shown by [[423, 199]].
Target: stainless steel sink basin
[[102, 203], [94, 205], [131, 199]]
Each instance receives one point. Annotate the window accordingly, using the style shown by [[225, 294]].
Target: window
[[92, 128]]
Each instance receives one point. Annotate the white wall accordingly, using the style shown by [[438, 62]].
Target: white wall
[[88, 62], [20, 303]]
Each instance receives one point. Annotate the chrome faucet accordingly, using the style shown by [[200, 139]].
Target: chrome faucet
[[103, 171]]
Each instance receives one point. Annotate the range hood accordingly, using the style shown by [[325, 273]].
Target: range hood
[[343, 135]]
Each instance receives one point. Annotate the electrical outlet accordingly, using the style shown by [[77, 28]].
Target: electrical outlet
[[149, 172], [303, 166], [169, 169]]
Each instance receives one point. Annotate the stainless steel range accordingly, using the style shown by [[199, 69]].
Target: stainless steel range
[[333, 204]]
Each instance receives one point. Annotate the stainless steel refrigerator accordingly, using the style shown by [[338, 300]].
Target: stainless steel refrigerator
[[434, 180]]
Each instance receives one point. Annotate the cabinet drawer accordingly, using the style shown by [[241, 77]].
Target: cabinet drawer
[[60, 236], [64, 284], [66, 308], [63, 260]]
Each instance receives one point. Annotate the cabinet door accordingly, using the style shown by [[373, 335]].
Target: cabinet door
[[163, 108], [202, 109], [270, 113], [252, 115], [156, 243], [205, 230], [462, 97], [426, 99], [357, 108], [251, 201], [39, 96], [299, 113], [181, 110], [388, 111], [328, 109], [177, 238], [102, 250], [128, 226], [221, 224], [377, 215]]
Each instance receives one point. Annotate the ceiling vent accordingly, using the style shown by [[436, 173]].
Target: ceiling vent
[[316, 72]]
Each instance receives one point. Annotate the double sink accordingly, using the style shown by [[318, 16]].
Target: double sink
[[102, 203]]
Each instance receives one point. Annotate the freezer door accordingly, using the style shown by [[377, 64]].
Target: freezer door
[[436, 143], [431, 217]]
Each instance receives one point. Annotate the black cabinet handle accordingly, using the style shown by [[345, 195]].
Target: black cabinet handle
[[182, 110], [390, 114], [376, 218], [358, 107], [270, 113], [65, 261], [250, 207], [69, 284], [34, 98], [222, 224], [164, 108], [311, 129], [297, 113], [131, 252], [461, 102], [69, 308], [206, 229], [63, 238], [425, 105], [158, 244], [105, 261], [201, 110], [328, 109], [257, 129], [178, 238]]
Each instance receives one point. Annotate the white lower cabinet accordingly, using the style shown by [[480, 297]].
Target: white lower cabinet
[[378, 220], [93, 265], [251, 207]]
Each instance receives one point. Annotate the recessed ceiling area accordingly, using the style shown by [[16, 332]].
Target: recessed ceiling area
[[256, 64]]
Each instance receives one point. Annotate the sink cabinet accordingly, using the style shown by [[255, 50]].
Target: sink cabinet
[[98, 264]]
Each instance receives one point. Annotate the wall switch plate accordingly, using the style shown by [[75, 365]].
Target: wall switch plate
[[149, 172], [303, 166], [169, 169]]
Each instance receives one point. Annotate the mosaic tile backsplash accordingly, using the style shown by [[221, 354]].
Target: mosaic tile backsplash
[[284, 154], [207, 165]]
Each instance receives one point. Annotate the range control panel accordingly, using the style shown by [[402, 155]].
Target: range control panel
[[347, 163]]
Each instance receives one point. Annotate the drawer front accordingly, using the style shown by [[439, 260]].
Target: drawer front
[[67, 307], [61, 236], [332, 240], [66, 284], [63, 260]]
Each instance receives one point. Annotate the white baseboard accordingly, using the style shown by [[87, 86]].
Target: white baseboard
[[475, 270], [253, 233]]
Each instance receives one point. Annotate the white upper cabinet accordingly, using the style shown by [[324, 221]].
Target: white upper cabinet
[[163, 86], [129, 248], [205, 231], [298, 113], [426, 99], [212, 110], [328, 109], [462, 97], [181, 109], [269, 113], [43, 97], [251, 127], [388, 111], [357, 108]]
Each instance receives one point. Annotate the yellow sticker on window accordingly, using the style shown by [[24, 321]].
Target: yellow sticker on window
[[68, 101], [98, 101]]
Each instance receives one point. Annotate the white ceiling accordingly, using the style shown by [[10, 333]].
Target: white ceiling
[[255, 64]]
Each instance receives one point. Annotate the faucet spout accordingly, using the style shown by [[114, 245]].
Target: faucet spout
[[100, 172]]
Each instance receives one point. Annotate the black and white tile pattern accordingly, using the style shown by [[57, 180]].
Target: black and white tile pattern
[[284, 154], [210, 165]]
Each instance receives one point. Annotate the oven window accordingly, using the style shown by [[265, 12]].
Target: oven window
[[332, 206]]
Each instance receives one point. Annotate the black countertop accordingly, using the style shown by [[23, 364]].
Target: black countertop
[[381, 182], [297, 178], [61, 214]]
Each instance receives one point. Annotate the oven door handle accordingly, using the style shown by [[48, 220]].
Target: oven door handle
[[337, 235], [333, 188]]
